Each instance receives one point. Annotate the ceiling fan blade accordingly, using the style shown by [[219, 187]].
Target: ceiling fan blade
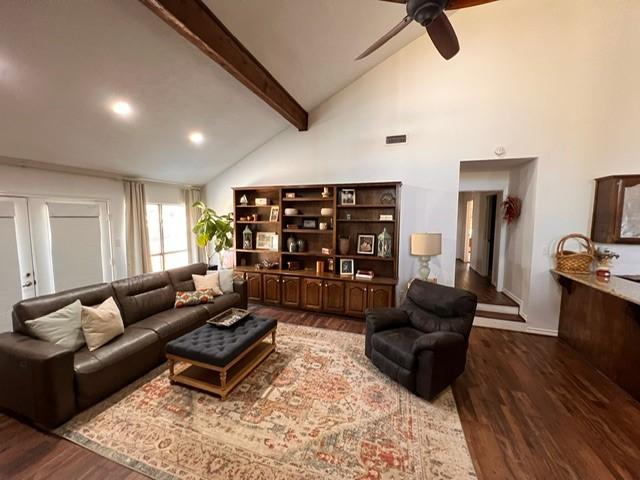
[[456, 4], [444, 36], [388, 36]]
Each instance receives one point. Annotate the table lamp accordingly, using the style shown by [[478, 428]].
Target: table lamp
[[425, 246]]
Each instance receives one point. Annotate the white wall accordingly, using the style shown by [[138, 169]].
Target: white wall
[[29, 181], [519, 234], [546, 79]]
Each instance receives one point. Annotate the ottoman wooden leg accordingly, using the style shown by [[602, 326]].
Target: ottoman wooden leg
[[223, 383]]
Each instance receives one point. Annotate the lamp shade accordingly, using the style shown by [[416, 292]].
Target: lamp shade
[[426, 244]]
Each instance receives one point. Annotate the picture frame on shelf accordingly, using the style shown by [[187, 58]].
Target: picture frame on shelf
[[267, 241], [261, 201], [290, 195], [274, 214], [346, 267], [310, 223], [386, 217], [347, 196], [366, 244]]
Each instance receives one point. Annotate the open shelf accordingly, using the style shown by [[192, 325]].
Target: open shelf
[[255, 206], [306, 254], [367, 205], [306, 230], [375, 258], [308, 215], [257, 222], [308, 199], [254, 250], [360, 220]]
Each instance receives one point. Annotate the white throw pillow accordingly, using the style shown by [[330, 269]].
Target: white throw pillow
[[225, 278], [62, 327], [207, 282], [101, 324]]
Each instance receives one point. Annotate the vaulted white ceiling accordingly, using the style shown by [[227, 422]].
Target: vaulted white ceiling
[[63, 62]]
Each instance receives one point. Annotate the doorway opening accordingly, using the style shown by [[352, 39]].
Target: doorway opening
[[493, 258]]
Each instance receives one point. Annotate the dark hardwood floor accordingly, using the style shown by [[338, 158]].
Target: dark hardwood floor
[[469, 279], [530, 408]]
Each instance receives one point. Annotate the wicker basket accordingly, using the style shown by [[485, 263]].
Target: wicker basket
[[575, 262]]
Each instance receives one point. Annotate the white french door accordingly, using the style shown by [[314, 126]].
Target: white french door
[[49, 245], [18, 277]]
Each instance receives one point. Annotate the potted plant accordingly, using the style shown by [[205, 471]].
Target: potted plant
[[213, 230]]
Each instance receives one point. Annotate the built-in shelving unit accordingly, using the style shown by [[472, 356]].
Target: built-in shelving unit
[[347, 220]]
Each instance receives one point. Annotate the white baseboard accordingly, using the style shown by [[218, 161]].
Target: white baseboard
[[512, 296], [513, 326], [489, 307]]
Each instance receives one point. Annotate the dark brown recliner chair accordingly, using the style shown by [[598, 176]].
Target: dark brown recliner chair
[[422, 344]]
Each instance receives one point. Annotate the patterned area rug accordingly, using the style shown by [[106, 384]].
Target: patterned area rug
[[315, 409]]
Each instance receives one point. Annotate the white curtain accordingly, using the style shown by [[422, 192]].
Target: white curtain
[[196, 254], [138, 253]]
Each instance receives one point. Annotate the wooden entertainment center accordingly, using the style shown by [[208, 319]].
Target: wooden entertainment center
[[330, 225]]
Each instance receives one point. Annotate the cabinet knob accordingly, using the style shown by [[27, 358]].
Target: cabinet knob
[[366, 289]]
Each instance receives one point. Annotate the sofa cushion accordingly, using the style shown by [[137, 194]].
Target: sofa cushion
[[61, 327], [196, 297], [112, 366], [172, 323], [142, 296], [397, 345], [181, 277], [101, 324], [221, 303], [40, 306]]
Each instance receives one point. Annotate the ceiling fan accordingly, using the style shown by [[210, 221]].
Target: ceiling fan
[[430, 14]]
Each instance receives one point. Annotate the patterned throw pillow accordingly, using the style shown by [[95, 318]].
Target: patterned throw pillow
[[189, 299]]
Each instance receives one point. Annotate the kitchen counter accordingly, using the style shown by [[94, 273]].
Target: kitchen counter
[[601, 320], [616, 286]]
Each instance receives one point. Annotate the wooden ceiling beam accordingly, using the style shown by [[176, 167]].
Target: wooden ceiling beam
[[193, 20]]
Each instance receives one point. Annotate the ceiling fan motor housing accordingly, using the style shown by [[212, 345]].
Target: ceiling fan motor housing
[[425, 11]]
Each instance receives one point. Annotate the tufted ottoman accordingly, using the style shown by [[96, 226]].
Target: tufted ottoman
[[216, 359]]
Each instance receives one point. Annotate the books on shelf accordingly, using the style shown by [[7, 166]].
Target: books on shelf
[[365, 274]]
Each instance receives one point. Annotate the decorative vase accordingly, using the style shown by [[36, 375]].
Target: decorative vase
[[384, 244], [325, 192], [292, 245], [326, 212], [343, 245], [291, 211], [247, 238], [302, 245]]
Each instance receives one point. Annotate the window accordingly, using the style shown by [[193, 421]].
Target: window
[[167, 224]]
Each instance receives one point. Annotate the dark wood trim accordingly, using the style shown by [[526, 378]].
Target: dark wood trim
[[194, 21]]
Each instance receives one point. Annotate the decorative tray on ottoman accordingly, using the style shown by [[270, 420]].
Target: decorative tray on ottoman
[[228, 318]]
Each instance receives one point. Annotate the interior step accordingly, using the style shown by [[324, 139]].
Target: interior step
[[507, 309], [500, 316]]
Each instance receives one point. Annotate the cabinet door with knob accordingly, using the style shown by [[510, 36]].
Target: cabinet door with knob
[[333, 296], [312, 294], [355, 299], [271, 289], [254, 287], [616, 210], [290, 291], [380, 296]]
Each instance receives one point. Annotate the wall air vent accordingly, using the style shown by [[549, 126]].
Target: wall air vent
[[396, 140]]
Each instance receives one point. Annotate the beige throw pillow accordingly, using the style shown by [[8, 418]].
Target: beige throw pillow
[[101, 324], [61, 327], [208, 282]]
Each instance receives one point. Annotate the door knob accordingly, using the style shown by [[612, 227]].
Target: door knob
[[26, 284]]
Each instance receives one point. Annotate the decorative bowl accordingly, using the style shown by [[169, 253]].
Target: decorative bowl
[[291, 211], [326, 212]]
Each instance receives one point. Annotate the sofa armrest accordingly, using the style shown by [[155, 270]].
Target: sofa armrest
[[240, 287], [379, 319], [37, 379], [438, 341]]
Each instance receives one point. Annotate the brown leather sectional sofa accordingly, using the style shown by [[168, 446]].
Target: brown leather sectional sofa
[[48, 384]]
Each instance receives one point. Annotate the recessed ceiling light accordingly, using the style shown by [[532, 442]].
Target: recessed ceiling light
[[196, 138], [121, 108]]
